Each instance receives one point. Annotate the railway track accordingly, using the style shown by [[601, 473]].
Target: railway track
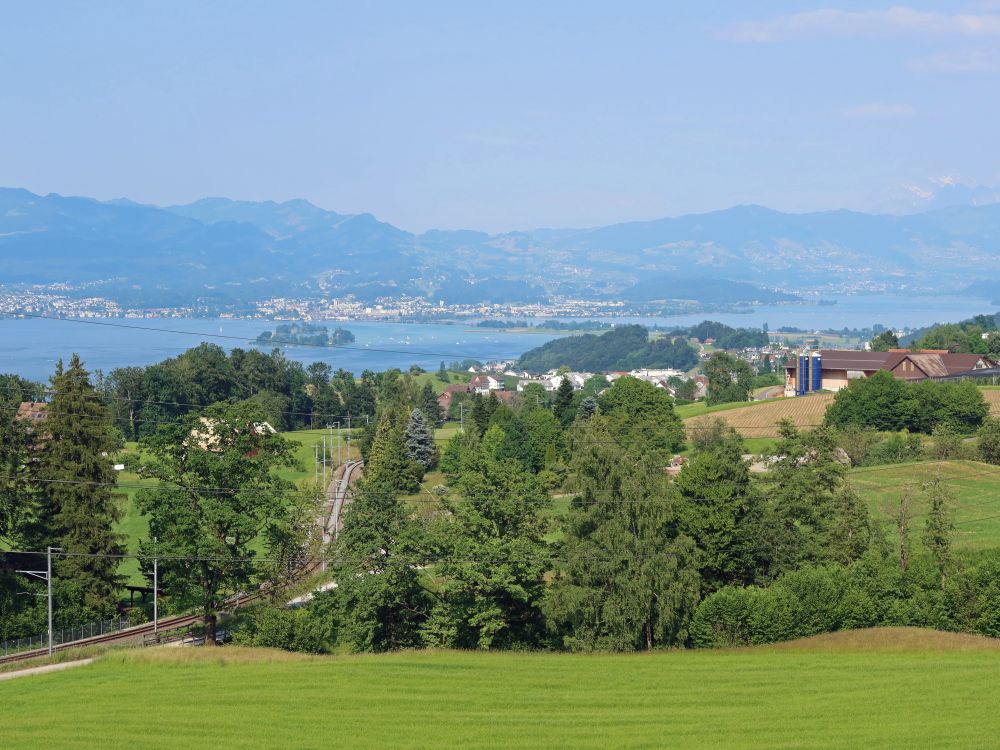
[[338, 496]]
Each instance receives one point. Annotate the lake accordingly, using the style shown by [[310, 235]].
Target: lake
[[31, 346]]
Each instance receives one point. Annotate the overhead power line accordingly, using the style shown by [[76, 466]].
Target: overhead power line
[[228, 337]]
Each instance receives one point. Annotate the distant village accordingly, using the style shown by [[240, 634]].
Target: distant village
[[805, 370]]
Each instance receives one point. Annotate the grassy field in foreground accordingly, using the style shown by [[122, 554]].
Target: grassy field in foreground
[[977, 496], [935, 690]]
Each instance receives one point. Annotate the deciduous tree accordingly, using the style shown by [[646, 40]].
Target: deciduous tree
[[218, 494]]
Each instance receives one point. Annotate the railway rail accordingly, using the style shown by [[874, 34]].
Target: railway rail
[[338, 496]]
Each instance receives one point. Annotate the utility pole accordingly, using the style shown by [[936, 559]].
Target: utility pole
[[461, 415], [48, 580], [316, 464], [329, 429], [339, 461], [156, 586], [348, 436], [324, 460], [46, 575]]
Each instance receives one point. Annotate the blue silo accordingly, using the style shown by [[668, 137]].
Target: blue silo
[[816, 367], [803, 375]]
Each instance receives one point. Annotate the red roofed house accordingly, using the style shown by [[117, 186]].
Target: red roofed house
[[483, 384], [32, 411], [445, 399]]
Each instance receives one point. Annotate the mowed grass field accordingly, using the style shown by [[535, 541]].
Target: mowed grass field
[[898, 688], [977, 496]]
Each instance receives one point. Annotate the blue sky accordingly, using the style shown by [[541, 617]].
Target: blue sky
[[503, 116]]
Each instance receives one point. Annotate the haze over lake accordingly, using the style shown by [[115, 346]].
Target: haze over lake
[[30, 347]]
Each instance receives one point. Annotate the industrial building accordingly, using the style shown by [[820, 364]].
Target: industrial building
[[833, 369]]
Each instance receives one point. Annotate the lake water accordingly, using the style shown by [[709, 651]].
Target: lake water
[[31, 346]]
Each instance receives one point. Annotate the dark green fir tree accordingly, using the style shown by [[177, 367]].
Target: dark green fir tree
[[77, 508]]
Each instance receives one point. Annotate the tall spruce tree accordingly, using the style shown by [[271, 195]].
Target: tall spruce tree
[[721, 509], [76, 508], [562, 407], [387, 463], [377, 562], [419, 438], [429, 405], [627, 579], [492, 559]]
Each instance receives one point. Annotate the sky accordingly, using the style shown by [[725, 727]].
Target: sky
[[503, 116]]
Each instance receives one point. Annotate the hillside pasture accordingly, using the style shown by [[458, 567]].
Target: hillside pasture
[[759, 419], [977, 496], [893, 688]]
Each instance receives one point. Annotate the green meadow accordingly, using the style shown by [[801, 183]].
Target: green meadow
[[895, 688], [976, 488]]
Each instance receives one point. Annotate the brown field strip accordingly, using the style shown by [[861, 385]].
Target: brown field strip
[[992, 397], [760, 420]]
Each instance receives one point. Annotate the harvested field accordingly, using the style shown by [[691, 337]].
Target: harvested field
[[992, 396], [758, 420]]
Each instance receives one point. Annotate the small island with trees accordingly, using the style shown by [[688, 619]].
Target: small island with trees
[[306, 334]]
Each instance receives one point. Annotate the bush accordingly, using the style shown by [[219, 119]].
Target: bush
[[897, 448], [872, 592], [989, 441], [882, 402], [287, 629], [972, 598], [947, 443], [723, 619]]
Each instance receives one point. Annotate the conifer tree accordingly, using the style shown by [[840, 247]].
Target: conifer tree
[[429, 405], [628, 579], [77, 509], [482, 411], [387, 462], [419, 439], [588, 407], [383, 604], [15, 493], [563, 404], [720, 508], [442, 374], [493, 559]]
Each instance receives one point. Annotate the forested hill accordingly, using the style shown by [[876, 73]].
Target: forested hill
[[623, 348]]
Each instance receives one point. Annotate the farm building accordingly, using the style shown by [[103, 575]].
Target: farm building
[[833, 369]]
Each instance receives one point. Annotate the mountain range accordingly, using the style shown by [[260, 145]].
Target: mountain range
[[242, 250]]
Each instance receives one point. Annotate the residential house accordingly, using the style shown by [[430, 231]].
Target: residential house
[[483, 384], [33, 412], [448, 395]]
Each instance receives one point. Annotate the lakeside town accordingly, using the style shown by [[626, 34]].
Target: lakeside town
[[64, 300]]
